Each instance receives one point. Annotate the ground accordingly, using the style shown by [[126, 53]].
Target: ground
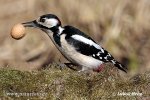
[[54, 83]]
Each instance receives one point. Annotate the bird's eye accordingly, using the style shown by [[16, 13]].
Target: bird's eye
[[42, 20]]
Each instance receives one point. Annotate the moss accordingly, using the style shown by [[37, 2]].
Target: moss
[[55, 84]]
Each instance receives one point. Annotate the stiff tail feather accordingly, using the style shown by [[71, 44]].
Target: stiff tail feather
[[119, 65]]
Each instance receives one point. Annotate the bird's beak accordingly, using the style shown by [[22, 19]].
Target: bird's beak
[[30, 24]]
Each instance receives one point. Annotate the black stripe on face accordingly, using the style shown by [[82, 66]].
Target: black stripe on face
[[57, 39], [41, 26]]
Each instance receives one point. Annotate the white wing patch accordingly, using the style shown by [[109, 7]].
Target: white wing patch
[[86, 41]]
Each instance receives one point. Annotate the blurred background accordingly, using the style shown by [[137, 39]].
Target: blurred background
[[120, 26]]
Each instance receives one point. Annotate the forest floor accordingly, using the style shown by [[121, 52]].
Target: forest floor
[[53, 83]]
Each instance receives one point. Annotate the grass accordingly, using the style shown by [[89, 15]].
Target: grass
[[120, 26], [55, 84]]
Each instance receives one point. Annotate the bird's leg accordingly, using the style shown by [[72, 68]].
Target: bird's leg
[[100, 68], [83, 69], [61, 65], [70, 65]]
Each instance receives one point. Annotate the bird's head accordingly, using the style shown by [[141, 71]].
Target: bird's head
[[45, 22]]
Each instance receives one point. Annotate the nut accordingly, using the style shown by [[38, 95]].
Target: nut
[[18, 31]]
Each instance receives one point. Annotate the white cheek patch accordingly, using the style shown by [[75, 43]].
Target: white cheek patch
[[49, 22]]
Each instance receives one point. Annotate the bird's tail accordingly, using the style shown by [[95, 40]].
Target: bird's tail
[[119, 65]]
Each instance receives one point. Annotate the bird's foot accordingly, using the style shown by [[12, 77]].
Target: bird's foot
[[61, 66], [83, 69], [69, 65]]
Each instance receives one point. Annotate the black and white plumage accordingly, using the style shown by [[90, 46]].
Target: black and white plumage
[[76, 46]]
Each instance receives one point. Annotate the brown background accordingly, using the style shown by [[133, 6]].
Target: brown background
[[120, 26]]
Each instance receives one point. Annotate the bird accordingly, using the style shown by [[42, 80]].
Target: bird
[[76, 46]]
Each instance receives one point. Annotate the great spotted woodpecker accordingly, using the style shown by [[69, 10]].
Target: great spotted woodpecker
[[75, 46]]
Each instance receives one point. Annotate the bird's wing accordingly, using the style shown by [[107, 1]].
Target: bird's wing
[[87, 46]]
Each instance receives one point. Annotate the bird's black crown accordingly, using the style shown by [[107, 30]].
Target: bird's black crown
[[49, 16]]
